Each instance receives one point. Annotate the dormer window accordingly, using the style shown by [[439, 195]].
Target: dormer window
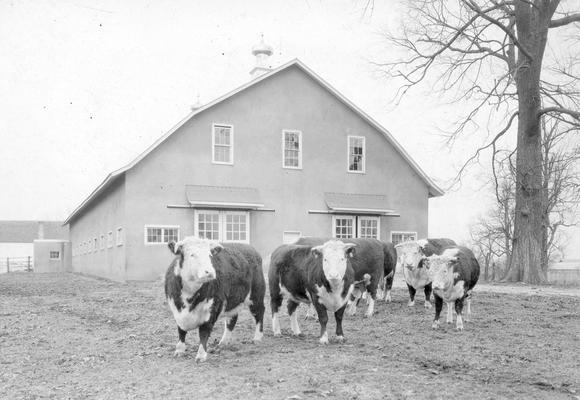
[[222, 144], [356, 154]]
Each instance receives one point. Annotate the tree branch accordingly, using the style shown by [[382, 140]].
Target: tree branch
[[560, 110], [568, 19]]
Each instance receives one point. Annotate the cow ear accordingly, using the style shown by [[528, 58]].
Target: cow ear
[[216, 248], [174, 247], [316, 251], [349, 249]]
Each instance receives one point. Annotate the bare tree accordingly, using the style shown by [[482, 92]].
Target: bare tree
[[492, 53]]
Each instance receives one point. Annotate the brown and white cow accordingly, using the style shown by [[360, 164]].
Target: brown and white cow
[[454, 273], [321, 275], [208, 279], [412, 256], [374, 266]]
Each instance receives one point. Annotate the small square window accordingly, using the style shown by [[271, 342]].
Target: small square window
[[54, 255]]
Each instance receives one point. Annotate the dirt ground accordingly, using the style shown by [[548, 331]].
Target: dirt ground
[[71, 336]]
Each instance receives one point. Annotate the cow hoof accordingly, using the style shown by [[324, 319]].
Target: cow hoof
[[459, 329], [340, 339], [369, 315], [179, 349], [411, 303], [388, 298], [200, 359], [258, 337], [435, 325], [428, 305], [323, 339]]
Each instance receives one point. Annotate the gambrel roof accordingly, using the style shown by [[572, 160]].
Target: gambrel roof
[[434, 190]]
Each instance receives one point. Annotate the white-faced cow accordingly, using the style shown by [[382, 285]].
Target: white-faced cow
[[412, 256], [374, 265], [454, 274], [207, 279], [321, 275]]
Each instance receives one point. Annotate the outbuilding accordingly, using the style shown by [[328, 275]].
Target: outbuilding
[[283, 156]]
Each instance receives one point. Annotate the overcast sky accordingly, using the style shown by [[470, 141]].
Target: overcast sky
[[87, 85]]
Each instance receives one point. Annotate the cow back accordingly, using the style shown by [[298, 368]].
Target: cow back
[[467, 267], [437, 246]]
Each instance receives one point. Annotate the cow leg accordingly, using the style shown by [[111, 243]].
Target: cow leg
[[372, 291], [428, 290], [438, 308], [275, 304], [229, 325], [323, 320], [468, 313], [389, 285], [459, 309], [450, 312], [412, 292], [311, 313], [204, 332], [381, 289], [292, 306], [180, 346], [338, 317], [257, 309]]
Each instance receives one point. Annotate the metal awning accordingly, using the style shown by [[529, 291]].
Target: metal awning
[[241, 198], [354, 203]]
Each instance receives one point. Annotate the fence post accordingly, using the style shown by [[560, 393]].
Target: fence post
[[7, 265], [28, 266]]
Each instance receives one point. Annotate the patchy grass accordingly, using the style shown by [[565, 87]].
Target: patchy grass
[[70, 336]]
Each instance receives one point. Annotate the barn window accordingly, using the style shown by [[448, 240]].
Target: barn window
[[102, 242], [119, 236], [223, 144], [54, 255], [351, 226], [356, 154], [400, 237], [225, 226], [368, 227], [110, 239], [161, 234], [343, 227], [95, 245], [292, 149]]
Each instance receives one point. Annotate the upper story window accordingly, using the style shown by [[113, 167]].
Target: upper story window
[[400, 237], [223, 144], [161, 234], [356, 154], [110, 239], [95, 245], [102, 242], [292, 149], [54, 255]]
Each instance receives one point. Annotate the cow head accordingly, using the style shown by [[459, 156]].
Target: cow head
[[195, 264], [410, 254], [441, 271], [334, 255]]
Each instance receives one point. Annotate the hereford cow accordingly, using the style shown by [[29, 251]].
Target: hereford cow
[[454, 273], [321, 275], [412, 256], [372, 261], [207, 279]]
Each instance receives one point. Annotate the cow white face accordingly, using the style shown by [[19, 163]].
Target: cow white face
[[195, 264], [334, 255], [441, 271], [410, 254]]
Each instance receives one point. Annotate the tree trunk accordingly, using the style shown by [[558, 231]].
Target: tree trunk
[[532, 28]]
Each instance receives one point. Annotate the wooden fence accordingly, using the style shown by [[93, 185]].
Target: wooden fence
[[13, 264]]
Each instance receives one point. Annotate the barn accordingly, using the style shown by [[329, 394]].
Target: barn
[[283, 156]]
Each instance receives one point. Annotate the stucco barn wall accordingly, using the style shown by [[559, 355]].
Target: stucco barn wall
[[105, 214], [289, 100]]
